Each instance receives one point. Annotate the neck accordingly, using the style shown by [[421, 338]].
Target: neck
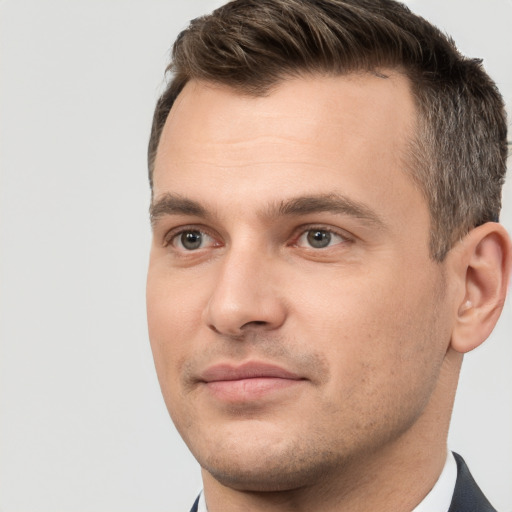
[[394, 478]]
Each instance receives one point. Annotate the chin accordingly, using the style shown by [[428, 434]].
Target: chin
[[269, 470]]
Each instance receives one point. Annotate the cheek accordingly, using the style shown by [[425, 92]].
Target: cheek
[[384, 330], [174, 304], [170, 322], [385, 351]]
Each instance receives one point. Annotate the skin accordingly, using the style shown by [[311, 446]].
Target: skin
[[370, 327]]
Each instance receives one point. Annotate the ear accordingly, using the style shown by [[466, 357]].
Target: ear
[[485, 262]]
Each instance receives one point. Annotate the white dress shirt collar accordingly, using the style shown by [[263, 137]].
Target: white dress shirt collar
[[201, 506]]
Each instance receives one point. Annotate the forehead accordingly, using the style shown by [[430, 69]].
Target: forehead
[[314, 132], [218, 112]]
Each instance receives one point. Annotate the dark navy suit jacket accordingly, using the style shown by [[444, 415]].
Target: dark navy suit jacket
[[467, 496]]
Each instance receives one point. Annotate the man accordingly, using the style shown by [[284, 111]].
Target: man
[[326, 179]]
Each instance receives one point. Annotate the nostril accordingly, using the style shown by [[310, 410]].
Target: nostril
[[214, 329], [254, 323]]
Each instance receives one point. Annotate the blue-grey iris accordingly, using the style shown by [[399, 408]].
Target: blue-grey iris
[[318, 238], [191, 240]]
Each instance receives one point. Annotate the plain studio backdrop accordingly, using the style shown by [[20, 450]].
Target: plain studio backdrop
[[83, 427]]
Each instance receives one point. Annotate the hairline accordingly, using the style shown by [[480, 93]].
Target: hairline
[[415, 152], [261, 92]]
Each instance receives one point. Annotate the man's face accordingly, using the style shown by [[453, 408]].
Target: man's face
[[295, 316]]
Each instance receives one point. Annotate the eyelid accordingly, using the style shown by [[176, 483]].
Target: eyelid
[[302, 230], [171, 234]]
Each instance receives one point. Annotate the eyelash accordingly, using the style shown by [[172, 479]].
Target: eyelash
[[304, 230], [173, 235]]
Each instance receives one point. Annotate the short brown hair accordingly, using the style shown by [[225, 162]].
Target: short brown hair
[[459, 151]]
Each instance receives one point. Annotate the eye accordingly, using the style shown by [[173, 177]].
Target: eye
[[191, 240], [319, 238]]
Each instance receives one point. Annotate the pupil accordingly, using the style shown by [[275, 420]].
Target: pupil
[[191, 240], [319, 239]]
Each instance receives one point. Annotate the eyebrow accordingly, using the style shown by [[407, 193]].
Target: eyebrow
[[332, 203], [173, 204]]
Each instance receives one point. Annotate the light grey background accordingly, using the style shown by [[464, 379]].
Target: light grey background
[[82, 425]]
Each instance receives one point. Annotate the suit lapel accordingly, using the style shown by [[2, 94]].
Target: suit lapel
[[195, 505], [467, 496]]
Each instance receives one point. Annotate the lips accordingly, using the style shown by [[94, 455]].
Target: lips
[[249, 381], [226, 372]]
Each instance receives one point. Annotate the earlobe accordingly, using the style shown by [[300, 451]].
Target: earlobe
[[485, 260]]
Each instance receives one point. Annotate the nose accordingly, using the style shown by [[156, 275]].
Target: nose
[[245, 296]]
